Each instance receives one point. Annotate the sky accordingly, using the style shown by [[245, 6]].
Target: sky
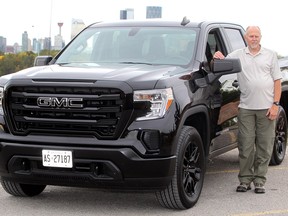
[[40, 17]]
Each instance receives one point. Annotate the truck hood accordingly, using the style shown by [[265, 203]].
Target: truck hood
[[134, 75]]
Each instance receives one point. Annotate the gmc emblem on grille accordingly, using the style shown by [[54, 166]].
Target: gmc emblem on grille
[[57, 103]]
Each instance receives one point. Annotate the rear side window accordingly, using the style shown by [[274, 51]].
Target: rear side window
[[235, 37]]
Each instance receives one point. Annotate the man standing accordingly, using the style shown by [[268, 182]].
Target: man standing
[[260, 87]]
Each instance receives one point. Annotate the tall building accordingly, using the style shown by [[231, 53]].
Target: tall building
[[35, 46], [77, 26], [29, 45], [17, 48], [127, 14], [153, 12], [58, 42], [25, 41], [123, 14], [60, 24], [58, 39], [47, 43], [3, 44]]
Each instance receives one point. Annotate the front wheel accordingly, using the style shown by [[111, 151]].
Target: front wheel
[[279, 149], [22, 190], [186, 185]]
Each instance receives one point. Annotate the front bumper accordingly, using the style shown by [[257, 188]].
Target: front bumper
[[102, 166]]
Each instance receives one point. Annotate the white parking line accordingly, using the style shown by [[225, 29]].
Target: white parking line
[[237, 170], [273, 212]]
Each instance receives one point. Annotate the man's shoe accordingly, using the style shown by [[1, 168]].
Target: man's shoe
[[259, 188], [243, 187]]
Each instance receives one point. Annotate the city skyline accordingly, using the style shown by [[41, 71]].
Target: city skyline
[[53, 14], [40, 18], [37, 44], [34, 44]]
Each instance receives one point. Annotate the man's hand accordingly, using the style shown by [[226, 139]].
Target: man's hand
[[218, 55], [272, 112]]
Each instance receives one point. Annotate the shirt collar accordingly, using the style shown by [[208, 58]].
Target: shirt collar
[[247, 51]]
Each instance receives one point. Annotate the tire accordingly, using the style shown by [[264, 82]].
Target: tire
[[186, 185], [279, 149], [21, 190]]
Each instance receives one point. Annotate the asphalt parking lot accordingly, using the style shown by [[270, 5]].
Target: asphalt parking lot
[[219, 191], [218, 197]]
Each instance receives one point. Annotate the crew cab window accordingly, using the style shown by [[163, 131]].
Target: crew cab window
[[235, 38]]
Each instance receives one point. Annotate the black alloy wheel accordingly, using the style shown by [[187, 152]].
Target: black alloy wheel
[[21, 190], [279, 149], [185, 188]]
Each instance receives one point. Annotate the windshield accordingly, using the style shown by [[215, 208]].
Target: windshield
[[131, 45]]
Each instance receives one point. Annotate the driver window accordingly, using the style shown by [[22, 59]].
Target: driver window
[[213, 45], [216, 42]]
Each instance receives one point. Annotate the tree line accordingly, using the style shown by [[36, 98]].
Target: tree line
[[10, 63]]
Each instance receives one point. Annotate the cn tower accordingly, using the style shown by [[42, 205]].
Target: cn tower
[[60, 24]]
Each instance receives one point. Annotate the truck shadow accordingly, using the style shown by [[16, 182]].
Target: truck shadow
[[221, 176], [87, 201]]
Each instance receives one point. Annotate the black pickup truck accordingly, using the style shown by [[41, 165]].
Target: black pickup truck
[[130, 105]]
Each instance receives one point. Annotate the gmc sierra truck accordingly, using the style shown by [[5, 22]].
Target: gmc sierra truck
[[130, 105]]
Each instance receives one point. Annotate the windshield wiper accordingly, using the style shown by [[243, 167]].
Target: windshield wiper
[[130, 62], [60, 64]]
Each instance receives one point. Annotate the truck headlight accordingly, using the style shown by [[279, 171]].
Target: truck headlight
[[160, 100]]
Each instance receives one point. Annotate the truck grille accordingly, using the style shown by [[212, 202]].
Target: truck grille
[[72, 110]]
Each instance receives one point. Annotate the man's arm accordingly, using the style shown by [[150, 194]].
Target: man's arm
[[273, 111], [277, 90]]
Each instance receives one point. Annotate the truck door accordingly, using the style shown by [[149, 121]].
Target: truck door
[[226, 102]]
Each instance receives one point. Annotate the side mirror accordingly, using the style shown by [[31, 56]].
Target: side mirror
[[42, 60], [226, 66], [220, 67]]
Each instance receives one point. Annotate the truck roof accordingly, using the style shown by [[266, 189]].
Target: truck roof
[[158, 22]]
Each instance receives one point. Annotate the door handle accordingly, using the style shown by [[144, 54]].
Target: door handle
[[235, 84]]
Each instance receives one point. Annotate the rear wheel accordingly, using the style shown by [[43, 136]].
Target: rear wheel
[[185, 188], [279, 149], [22, 190]]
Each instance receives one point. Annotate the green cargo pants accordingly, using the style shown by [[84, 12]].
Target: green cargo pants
[[255, 143]]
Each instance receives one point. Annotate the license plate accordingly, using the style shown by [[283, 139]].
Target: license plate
[[55, 158]]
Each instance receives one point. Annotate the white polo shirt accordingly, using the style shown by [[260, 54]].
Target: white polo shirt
[[256, 80]]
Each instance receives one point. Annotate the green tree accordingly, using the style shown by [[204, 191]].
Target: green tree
[[10, 63], [48, 52]]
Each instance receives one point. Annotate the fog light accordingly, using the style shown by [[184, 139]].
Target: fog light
[[151, 139]]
